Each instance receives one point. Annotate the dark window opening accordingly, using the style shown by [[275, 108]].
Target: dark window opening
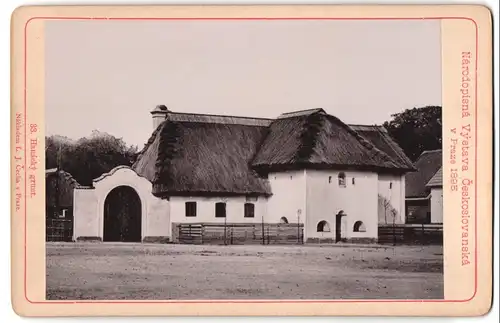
[[220, 210], [353, 181], [323, 226], [190, 209], [390, 185], [359, 226], [249, 210], [342, 182], [329, 179]]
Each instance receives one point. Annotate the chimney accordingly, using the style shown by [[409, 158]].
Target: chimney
[[159, 115]]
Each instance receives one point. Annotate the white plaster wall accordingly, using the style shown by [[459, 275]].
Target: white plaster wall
[[85, 219], [155, 212], [205, 209], [289, 196], [436, 205], [325, 198], [396, 194]]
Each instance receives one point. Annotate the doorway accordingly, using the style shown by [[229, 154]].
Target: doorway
[[122, 215], [338, 226]]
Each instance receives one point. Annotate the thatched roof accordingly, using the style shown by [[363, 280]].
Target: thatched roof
[[437, 179], [318, 140], [195, 154], [427, 164], [379, 136], [67, 177]]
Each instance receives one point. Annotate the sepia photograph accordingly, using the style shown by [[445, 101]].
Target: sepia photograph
[[243, 159]]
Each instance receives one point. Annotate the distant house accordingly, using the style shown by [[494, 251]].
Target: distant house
[[59, 196], [424, 189], [306, 167], [59, 190]]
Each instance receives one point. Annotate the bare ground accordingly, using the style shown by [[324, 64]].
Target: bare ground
[[160, 272]]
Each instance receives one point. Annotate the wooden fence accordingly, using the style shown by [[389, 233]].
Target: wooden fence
[[411, 234], [232, 234], [59, 229]]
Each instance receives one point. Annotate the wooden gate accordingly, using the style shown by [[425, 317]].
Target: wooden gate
[[59, 229]]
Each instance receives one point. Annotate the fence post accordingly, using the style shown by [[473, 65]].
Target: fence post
[[394, 234], [225, 231], [202, 231], [263, 234]]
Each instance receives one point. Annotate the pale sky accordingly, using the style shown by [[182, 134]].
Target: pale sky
[[108, 75]]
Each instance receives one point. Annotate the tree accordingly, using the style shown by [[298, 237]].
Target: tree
[[417, 130], [89, 157]]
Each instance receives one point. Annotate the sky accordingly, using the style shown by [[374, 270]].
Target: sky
[[108, 75]]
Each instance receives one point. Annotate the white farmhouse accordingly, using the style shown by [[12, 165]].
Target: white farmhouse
[[306, 167]]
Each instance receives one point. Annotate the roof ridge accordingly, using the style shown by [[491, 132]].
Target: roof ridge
[[300, 113], [219, 115]]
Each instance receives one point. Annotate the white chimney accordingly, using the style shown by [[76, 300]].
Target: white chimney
[[159, 114]]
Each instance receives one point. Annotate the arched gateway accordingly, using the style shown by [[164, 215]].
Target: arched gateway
[[122, 215], [119, 206]]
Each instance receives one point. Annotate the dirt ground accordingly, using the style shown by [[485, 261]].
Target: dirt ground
[[147, 271]]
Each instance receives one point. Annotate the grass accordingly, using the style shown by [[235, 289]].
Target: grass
[[179, 272]]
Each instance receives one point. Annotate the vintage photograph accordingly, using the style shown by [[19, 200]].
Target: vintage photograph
[[243, 159]]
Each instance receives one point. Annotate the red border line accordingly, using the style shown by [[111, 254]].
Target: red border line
[[247, 301]]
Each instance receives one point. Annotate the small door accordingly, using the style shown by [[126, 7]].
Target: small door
[[338, 227]]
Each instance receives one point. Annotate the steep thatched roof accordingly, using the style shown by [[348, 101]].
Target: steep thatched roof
[[195, 154], [427, 164], [379, 136], [318, 140]]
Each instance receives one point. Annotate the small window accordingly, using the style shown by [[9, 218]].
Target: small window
[[249, 210], [329, 179], [390, 185], [291, 177], [284, 220], [342, 180], [323, 226], [353, 181], [220, 210], [190, 209], [359, 226]]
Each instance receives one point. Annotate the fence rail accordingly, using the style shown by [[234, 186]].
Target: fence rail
[[232, 234], [411, 234]]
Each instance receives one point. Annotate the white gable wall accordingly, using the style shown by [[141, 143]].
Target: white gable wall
[[325, 199]]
